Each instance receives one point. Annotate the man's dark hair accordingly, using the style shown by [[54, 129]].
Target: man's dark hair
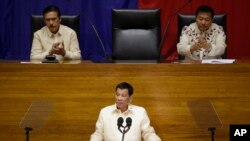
[[125, 85], [52, 8], [205, 8]]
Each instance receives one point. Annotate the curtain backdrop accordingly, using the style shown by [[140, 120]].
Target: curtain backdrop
[[238, 21], [15, 42]]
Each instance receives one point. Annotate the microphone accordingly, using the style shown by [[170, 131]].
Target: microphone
[[170, 19], [119, 123], [125, 128], [97, 35], [129, 122]]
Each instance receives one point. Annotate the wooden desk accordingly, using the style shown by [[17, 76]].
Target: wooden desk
[[81, 90]]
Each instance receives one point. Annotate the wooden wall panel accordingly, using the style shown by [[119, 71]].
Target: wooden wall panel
[[79, 91]]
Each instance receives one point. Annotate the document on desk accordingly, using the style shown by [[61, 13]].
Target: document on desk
[[218, 61], [31, 62]]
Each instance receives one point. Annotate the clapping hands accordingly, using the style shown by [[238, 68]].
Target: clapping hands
[[57, 48], [201, 44]]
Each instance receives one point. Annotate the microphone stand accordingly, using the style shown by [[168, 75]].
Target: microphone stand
[[212, 129], [27, 129], [107, 57], [170, 19], [124, 131]]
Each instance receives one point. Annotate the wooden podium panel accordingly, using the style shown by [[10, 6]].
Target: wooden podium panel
[[79, 91]]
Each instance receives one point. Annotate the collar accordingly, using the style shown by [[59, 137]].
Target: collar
[[198, 30], [130, 110], [50, 34]]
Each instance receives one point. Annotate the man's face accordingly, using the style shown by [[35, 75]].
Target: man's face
[[204, 21], [52, 21], [122, 99]]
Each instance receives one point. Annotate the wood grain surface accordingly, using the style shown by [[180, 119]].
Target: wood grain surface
[[79, 91]]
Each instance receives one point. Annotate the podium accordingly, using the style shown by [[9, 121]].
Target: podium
[[36, 116], [205, 116]]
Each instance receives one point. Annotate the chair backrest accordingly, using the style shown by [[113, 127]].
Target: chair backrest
[[72, 21], [187, 19], [136, 34]]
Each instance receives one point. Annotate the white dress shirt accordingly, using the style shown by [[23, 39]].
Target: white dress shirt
[[107, 129], [44, 39], [215, 36]]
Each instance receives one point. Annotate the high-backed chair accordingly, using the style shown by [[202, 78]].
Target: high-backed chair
[[136, 34], [185, 20], [72, 21]]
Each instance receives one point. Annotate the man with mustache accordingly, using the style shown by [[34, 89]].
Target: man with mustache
[[55, 38], [202, 39], [107, 128]]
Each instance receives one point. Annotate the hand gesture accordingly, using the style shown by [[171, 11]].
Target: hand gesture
[[57, 48], [200, 44]]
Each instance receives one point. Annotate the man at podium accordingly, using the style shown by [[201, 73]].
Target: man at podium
[[123, 121]]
